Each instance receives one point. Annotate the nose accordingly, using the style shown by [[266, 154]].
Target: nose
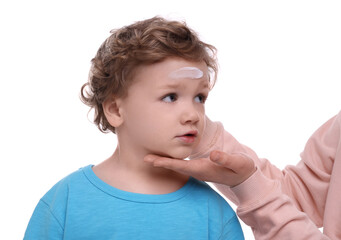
[[190, 114]]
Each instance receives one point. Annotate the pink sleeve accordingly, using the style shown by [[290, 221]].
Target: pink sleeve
[[271, 201], [270, 213]]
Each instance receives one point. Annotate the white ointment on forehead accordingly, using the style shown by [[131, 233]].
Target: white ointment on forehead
[[186, 72]]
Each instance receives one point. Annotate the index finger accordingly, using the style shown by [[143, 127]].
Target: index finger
[[178, 165]]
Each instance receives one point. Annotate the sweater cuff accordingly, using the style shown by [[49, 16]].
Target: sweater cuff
[[253, 189]]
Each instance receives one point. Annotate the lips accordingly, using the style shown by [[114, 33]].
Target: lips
[[188, 137]]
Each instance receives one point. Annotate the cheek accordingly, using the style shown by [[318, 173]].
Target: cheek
[[134, 119], [150, 120], [201, 125], [202, 118]]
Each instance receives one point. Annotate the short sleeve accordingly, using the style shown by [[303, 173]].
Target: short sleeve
[[232, 230], [43, 224]]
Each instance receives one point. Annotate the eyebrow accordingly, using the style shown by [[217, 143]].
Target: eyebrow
[[206, 85], [170, 85], [177, 85]]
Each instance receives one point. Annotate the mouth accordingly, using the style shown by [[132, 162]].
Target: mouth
[[188, 137]]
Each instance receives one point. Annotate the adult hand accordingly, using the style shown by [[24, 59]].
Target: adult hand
[[220, 167]]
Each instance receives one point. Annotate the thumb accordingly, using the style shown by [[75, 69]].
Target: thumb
[[236, 162]]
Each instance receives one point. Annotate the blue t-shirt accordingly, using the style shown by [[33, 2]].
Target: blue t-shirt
[[82, 206]]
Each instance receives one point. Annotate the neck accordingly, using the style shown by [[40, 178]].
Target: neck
[[127, 171]]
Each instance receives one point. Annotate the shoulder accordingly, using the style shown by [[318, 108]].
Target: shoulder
[[222, 219], [206, 190], [49, 215], [214, 200], [57, 196]]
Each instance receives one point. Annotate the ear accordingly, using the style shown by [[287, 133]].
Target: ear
[[111, 108]]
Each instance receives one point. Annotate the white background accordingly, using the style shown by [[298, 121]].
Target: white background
[[279, 80]]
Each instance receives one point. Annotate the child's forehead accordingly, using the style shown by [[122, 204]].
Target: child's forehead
[[172, 71], [186, 72], [175, 68]]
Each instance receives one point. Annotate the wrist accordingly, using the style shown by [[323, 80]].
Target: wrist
[[253, 188], [245, 178]]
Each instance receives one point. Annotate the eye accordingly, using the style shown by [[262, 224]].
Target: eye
[[200, 98], [170, 98]]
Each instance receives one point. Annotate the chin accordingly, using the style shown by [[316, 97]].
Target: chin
[[178, 154], [173, 152]]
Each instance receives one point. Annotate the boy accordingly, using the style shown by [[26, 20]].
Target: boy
[[148, 84]]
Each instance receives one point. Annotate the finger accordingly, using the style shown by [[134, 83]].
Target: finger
[[237, 162], [150, 158], [178, 165]]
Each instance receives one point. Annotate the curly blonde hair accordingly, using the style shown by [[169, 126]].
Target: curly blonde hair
[[144, 42]]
